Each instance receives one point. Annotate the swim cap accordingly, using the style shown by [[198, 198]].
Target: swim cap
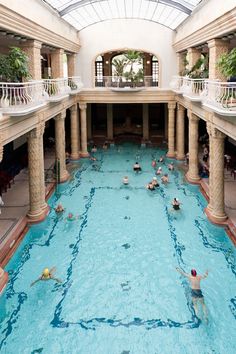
[[155, 179], [46, 272], [193, 272]]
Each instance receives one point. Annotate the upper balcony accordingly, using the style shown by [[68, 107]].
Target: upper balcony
[[122, 84], [23, 98], [216, 96]]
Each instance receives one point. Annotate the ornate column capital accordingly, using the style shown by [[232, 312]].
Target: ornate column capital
[[171, 105], [73, 108], [216, 42], [38, 131], [82, 106], [192, 117], [60, 116], [180, 107]]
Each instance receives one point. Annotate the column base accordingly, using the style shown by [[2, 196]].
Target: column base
[[171, 155], [64, 177], [3, 280], [75, 157], [84, 154], [215, 219], [193, 180], [35, 217], [180, 157]]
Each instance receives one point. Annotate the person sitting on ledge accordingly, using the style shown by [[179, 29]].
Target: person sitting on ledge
[[176, 204], [165, 178], [137, 167], [47, 275], [171, 166], [59, 208], [159, 171], [125, 180]]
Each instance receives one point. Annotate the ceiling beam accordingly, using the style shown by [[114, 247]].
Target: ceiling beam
[[76, 5]]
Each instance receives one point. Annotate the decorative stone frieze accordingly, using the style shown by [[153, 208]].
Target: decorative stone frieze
[[193, 171], [74, 124], [57, 63], [33, 50], [109, 121], [60, 144], [171, 129], [216, 208], [83, 122], [35, 164], [180, 153], [217, 47]]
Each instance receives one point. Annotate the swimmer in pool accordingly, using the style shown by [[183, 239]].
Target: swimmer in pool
[[176, 204], [196, 292], [47, 275]]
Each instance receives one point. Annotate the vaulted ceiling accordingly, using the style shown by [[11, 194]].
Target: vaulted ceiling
[[83, 13]]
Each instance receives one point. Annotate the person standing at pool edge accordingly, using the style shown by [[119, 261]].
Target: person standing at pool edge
[[196, 292]]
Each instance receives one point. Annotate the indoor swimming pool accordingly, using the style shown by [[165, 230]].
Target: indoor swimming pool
[[120, 291]]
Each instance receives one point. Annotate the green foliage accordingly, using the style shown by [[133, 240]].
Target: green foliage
[[14, 66], [227, 64], [126, 61], [200, 69]]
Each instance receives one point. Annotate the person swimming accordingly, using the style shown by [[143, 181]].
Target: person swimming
[[125, 180], [165, 178], [59, 208], [155, 182], [47, 275], [176, 204], [159, 171], [196, 292], [137, 167], [70, 217]]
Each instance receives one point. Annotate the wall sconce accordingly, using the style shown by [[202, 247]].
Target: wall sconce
[[107, 62], [148, 61]]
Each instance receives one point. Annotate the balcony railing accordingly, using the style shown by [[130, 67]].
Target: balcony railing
[[218, 96], [25, 97], [121, 82]]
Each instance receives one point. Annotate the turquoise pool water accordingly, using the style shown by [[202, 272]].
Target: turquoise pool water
[[120, 292]]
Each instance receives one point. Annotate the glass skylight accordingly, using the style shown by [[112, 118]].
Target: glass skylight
[[83, 13]]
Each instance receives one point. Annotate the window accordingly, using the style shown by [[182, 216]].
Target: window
[[99, 81], [155, 71]]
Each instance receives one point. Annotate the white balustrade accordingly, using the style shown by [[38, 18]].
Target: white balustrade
[[75, 84], [15, 95], [123, 82], [220, 94], [176, 83], [56, 88]]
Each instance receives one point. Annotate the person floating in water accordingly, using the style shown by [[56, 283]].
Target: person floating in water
[[47, 275], [70, 217], [165, 178], [159, 171], [59, 208], [176, 204], [154, 163], [196, 292], [125, 180], [137, 167], [171, 166], [161, 159]]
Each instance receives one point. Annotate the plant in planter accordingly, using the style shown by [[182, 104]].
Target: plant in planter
[[227, 64], [200, 69], [14, 66]]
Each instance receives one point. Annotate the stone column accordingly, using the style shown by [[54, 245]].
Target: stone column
[[193, 171], [57, 63], [74, 126], [71, 64], [211, 169], [145, 122], [60, 144], [89, 121], [109, 122], [44, 205], [166, 121], [33, 50], [193, 56], [180, 132], [36, 213], [180, 62], [216, 208], [217, 47], [83, 122], [171, 129]]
